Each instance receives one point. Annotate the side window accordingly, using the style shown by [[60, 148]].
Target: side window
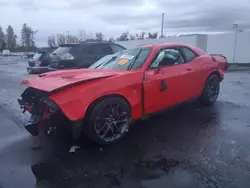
[[116, 48], [46, 56], [99, 49], [168, 57], [188, 54]]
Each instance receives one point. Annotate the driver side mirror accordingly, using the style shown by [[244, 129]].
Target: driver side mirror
[[153, 70]]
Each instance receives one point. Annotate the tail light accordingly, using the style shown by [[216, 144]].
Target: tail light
[[38, 62], [67, 56]]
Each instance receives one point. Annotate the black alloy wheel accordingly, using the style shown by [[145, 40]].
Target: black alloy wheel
[[211, 90], [109, 120]]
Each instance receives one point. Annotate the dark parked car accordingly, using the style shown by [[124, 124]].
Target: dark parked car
[[39, 63], [81, 55]]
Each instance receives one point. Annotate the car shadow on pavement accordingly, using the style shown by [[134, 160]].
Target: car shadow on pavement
[[153, 148]]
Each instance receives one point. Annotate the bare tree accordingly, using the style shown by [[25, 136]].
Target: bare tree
[[141, 36], [99, 37], [60, 39], [131, 37], [72, 39], [123, 37], [152, 35], [52, 41], [82, 35], [111, 40]]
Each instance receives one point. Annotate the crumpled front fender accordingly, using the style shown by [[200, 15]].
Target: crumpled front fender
[[73, 110]]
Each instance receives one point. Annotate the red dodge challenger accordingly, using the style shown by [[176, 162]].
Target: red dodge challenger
[[104, 99]]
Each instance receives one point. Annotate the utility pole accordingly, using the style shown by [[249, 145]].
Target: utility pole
[[235, 26], [162, 24]]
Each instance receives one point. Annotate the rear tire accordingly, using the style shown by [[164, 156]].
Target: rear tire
[[108, 120], [211, 90]]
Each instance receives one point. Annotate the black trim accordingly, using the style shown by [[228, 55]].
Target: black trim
[[143, 95]]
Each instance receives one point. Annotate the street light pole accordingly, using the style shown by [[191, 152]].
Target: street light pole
[[236, 26], [162, 23]]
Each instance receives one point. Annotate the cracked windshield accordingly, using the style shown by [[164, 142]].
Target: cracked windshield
[[124, 94]]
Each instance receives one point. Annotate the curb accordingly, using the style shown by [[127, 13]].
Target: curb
[[239, 64]]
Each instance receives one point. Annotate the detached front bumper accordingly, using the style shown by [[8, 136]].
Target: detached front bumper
[[32, 126], [46, 117], [44, 112]]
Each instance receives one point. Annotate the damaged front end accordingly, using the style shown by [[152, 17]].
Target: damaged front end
[[45, 114]]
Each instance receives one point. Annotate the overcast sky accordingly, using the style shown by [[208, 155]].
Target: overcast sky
[[113, 17]]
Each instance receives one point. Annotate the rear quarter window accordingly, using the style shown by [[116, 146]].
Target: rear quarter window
[[103, 49], [188, 54], [62, 50]]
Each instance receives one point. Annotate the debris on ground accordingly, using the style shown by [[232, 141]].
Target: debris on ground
[[74, 148], [37, 147]]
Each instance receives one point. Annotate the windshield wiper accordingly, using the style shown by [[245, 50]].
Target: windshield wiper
[[103, 64], [132, 63]]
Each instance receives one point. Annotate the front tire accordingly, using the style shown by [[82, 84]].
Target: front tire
[[211, 90], [108, 120]]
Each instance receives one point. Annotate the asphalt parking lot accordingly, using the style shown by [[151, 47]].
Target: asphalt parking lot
[[190, 146]]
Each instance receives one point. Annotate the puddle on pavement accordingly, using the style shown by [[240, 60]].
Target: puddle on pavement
[[177, 179], [147, 169]]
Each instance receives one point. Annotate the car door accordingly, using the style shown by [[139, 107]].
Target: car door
[[165, 82], [94, 53], [196, 71]]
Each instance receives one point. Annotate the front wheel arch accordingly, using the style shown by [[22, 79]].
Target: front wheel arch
[[217, 73], [97, 100], [212, 73]]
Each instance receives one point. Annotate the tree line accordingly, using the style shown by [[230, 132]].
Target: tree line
[[59, 39], [8, 39]]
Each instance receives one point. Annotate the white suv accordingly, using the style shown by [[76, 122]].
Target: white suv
[[6, 53]]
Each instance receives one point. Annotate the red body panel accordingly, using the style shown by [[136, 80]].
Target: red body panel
[[59, 79], [75, 101], [74, 90]]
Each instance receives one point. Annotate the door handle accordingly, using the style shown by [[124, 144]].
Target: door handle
[[163, 85], [189, 68]]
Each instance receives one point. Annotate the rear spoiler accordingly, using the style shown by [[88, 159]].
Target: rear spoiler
[[219, 55]]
